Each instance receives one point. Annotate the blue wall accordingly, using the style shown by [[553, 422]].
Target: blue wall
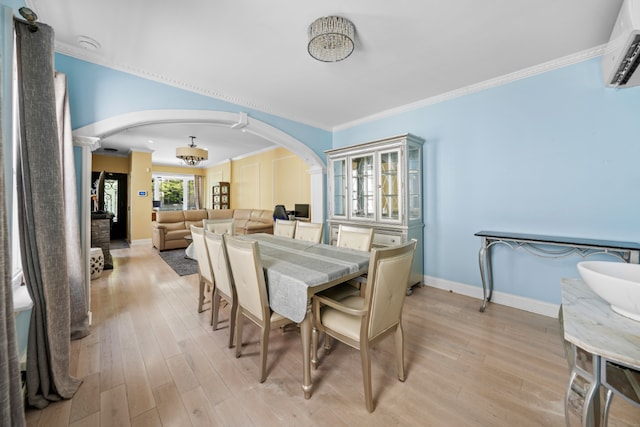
[[97, 93], [556, 153]]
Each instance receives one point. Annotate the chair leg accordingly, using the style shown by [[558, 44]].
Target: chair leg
[[215, 309], [264, 346], [327, 343], [238, 331], [201, 294], [399, 339], [366, 375], [314, 348], [232, 324]]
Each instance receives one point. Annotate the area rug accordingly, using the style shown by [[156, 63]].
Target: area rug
[[181, 265]]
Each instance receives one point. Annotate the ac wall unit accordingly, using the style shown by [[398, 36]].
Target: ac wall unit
[[622, 54]]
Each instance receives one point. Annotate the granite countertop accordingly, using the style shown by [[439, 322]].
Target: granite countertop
[[590, 324]]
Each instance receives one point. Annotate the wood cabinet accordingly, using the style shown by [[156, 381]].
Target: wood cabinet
[[379, 184], [221, 195]]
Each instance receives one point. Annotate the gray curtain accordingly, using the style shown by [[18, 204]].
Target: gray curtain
[[197, 190], [11, 406], [75, 261], [42, 212]]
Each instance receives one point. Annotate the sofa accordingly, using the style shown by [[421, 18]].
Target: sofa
[[171, 227]]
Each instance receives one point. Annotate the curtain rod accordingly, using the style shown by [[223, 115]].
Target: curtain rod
[[31, 18]]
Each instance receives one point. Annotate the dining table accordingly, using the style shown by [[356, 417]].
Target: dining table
[[296, 270]]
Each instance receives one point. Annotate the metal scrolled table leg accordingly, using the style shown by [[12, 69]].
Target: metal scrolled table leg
[[484, 259], [591, 407]]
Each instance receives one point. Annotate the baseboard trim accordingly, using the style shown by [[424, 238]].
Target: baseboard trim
[[140, 242], [510, 300]]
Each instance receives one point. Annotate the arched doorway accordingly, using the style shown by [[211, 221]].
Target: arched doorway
[[88, 138], [91, 134]]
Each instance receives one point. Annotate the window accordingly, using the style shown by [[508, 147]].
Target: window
[[16, 256], [174, 192]]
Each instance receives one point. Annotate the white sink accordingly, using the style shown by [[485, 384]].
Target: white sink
[[618, 283]]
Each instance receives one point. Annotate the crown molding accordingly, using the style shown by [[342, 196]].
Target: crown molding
[[487, 84], [96, 58]]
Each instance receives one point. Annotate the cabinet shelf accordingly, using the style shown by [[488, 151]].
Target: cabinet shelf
[[221, 195], [378, 184]]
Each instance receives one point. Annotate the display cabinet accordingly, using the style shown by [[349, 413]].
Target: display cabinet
[[379, 184], [221, 195]]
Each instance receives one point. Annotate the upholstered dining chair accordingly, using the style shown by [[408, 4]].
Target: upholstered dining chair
[[360, 238], [251, 288], [204, 266], [284, 228], [363, 321], [225, 288], [220, 226], [309, 231]]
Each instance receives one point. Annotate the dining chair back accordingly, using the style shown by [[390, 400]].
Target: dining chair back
[[251, 289], [284, 228], [225, 288], [204, 266], [220, 226], [360, 238], [309, 231], [363, 321]]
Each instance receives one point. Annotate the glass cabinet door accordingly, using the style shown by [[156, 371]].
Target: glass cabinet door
[[362, 187], [390, 200], [414, 184], [339, 175]]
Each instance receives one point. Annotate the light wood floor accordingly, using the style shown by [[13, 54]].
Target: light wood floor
[[152, 360]]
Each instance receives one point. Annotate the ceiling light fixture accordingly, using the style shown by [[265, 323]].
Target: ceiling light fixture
[[191, 155], [331, 38]]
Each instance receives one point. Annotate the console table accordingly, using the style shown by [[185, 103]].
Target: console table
[[549, 247]]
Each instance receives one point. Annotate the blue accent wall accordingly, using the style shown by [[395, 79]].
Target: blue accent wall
[[557, 153], [97, 93]]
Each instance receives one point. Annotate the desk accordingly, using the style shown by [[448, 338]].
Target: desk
[[295, 271], [548, 247], [604, 351]]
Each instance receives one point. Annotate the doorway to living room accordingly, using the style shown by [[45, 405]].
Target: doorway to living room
[[113, 197]]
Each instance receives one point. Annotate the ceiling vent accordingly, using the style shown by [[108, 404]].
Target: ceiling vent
[[622, 55]]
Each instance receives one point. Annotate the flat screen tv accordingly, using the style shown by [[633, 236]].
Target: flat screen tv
[[301, 210]]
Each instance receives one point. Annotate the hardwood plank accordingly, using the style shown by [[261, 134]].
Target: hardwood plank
[[152, 360], [199, 409], [147, 419], [195, 358], [170, 407], [140, 396], [84, 402], [114, 410], [56, 415], [183, 376], [92, 420]]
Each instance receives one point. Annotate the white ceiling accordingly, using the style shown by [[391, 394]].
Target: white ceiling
[[254, 53]]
